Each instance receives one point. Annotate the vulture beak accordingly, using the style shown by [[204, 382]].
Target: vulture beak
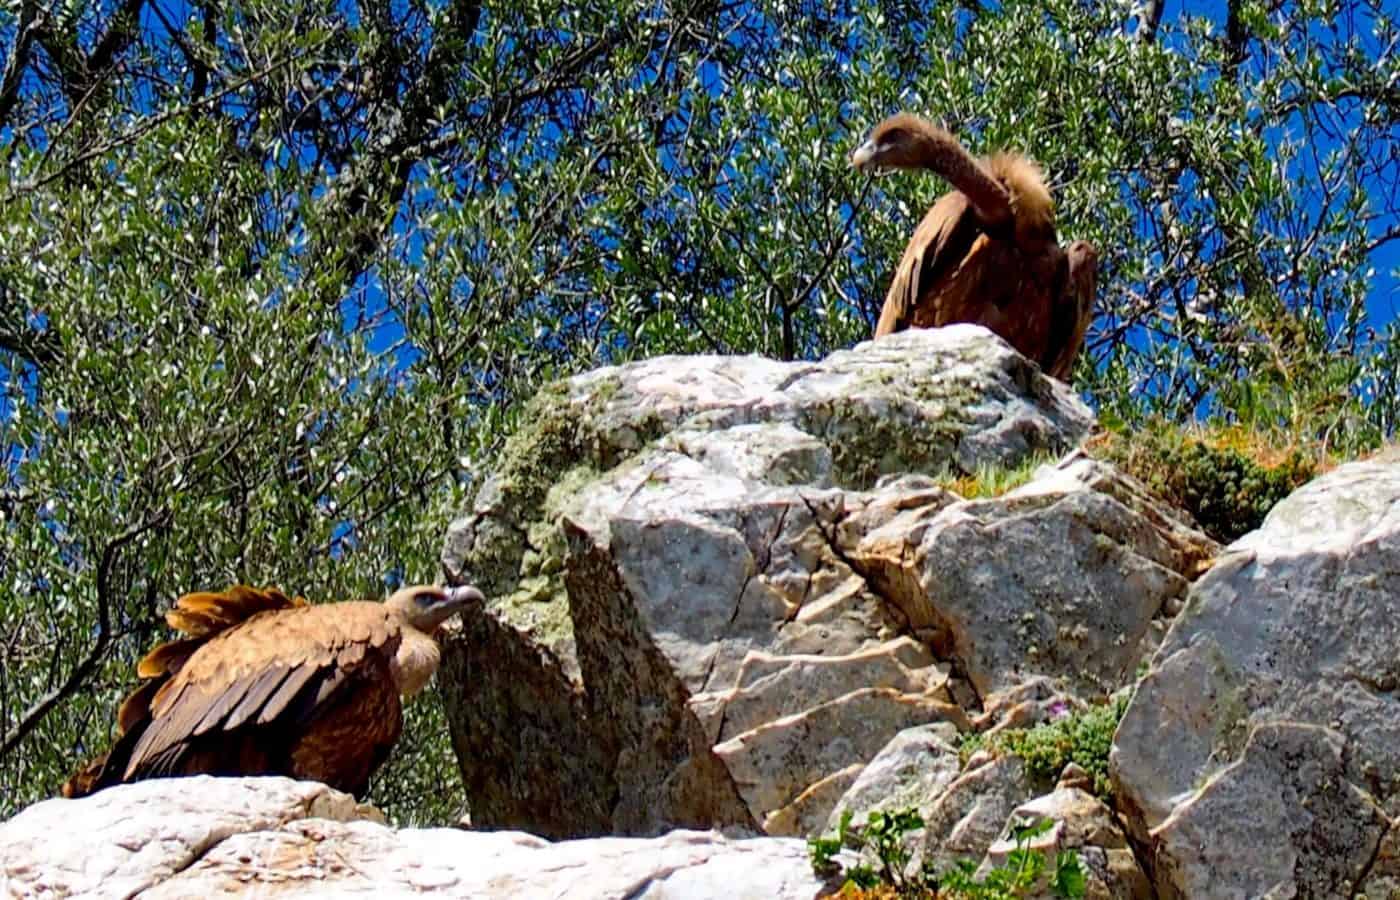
[[863, 155], [426, 606], [451, 601], [460, 598], [871, 158]]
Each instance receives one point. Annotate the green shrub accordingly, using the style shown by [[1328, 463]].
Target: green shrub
[[883, 836], [1226, 478], [1084, 738]]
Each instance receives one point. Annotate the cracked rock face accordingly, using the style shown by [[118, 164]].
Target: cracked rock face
[[274, 837], [1261, 753], [711, 609]]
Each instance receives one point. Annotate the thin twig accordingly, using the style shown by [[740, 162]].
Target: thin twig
[[80, 673]]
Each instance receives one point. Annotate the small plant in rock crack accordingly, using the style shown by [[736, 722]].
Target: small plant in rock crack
[[883, 836], [1019, 874], [1084, 738]]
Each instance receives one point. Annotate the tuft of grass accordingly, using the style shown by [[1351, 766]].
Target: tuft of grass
[[992, 480], [886, 878], [1226, 476], [1083, 738]]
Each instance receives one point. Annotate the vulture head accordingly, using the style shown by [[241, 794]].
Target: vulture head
[[899, 142], [1005, 191], [903, 142], [426, 606]]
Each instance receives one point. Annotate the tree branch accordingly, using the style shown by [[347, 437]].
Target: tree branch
[[85, 667], [1149, 18], [39, 348], [26, 29], [80, 74]]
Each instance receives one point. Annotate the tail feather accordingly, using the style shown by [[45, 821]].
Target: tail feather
[[137, 705], [84, 781]]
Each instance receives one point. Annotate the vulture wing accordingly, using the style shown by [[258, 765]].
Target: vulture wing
[[307, 692], [1074, 310], [199, 615], [262, 685], [934, 258]]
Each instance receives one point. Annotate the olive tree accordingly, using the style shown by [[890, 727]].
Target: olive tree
[[275, 275]]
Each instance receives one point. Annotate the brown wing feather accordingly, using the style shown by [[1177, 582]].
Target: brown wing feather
[[204, 613], [1018, 291], [167, 658], [291, 688], [939, 245], [1074, 310], [272, 675], [954, 272], [137, 706], [256, 697], [353, 730], [234, 686]]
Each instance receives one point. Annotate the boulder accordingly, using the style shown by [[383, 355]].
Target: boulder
[[1063, 577], [722, 585], [1261, 752], [274, 837]]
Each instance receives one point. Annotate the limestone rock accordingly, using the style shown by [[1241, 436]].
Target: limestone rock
[[1383, 878], [1267, 731], [1062, 577], [911, 770], [125, 840], [670, 544], [274, 837], [1281, 821], [963, 809], [963, 821], [714, 596]]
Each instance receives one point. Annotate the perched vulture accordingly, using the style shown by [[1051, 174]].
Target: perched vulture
[[266, 685], [985, 253]]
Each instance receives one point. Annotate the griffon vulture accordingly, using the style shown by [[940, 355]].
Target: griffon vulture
[[266, 685], [985, 253]]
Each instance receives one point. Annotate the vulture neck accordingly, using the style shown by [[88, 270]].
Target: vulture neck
[[938, 151], [415, 662]]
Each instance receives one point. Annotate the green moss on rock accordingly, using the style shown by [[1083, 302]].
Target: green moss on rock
[[1224, 479]]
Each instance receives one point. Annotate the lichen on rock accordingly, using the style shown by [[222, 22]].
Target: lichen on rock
[[757, 526]]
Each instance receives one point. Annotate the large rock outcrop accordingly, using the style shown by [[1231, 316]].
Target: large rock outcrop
[[274, 837], [1261, 753], [725, 584], [739, 595]]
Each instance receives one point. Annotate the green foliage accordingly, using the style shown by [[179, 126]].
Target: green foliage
[[883, 836], [823, 850], [1228, 493], [1226, 478], [1084, 738], [1020, 873]]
